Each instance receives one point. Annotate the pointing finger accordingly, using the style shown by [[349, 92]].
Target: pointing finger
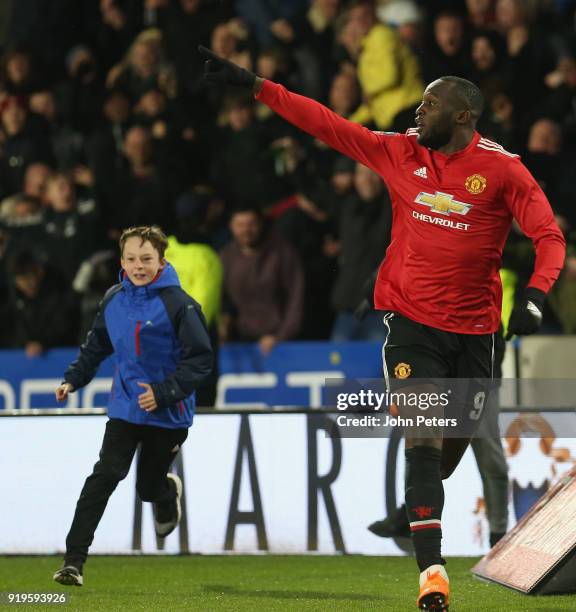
[[215, 60], [208, 53]]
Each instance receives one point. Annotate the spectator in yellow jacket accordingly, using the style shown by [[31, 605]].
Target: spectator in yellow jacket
[[200, 271], [197, 263], [388, 71]]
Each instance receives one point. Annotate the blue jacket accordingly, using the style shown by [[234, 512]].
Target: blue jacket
[[159, 336]]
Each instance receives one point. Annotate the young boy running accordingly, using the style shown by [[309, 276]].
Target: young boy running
[[163, 353]]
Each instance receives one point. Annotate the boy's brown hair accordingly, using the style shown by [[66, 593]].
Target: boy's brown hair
[[147, 233]]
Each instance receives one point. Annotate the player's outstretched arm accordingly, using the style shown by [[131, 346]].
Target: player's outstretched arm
[[310, 116]]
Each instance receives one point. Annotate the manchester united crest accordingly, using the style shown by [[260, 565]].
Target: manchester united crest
[[475, 184], [402, 370]]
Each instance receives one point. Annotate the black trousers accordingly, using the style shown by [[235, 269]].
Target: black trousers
[[159, 447]]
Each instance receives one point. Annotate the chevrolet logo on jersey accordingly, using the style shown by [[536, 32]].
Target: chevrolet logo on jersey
[[443, 203]]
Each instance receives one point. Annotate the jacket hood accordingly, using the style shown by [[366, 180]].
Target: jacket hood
[[167, 277]]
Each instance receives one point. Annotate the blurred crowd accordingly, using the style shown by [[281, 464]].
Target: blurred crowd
[[105, 123]]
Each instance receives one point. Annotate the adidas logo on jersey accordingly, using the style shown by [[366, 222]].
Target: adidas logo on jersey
[[421, 172]]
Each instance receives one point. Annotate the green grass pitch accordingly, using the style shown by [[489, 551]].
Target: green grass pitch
[[256, 583]]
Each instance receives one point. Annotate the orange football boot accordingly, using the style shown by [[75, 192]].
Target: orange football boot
[[434, 589]]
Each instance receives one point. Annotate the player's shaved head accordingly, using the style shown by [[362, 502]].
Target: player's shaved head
[[467, 94], [447, 116]]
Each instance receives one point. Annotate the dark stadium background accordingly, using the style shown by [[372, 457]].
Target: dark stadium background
[[105, 122]]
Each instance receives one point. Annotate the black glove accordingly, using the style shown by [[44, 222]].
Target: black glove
[[527, 313], [220, 70]]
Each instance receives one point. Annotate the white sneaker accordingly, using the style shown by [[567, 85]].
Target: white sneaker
[[167, 519], [69, 575]]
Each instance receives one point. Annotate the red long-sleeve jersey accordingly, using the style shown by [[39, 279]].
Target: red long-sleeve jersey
[[451, 216]]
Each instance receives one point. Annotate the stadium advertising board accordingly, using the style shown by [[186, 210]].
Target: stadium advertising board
[[254, 483]]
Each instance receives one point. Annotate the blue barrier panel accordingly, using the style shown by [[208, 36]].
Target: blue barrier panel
[[30, 382], [292, 375]]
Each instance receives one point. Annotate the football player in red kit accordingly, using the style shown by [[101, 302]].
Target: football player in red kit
[[454, 196]]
